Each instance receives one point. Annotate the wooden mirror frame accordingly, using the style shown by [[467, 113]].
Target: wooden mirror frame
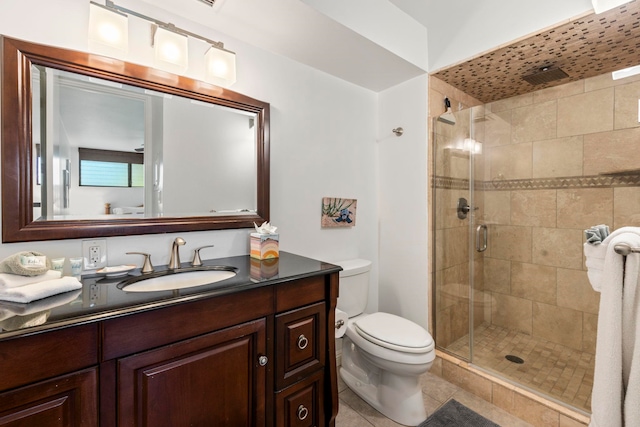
[[17, 174]]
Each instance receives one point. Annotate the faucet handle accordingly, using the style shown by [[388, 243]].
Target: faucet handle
[[146, 267], [197, 262]]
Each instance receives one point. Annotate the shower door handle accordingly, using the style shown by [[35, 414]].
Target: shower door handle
[[481, 233]]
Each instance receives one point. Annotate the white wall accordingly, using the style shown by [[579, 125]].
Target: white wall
[[323, 143], [403, 178]]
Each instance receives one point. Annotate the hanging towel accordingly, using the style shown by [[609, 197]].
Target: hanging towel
[[8, 280], [36, 291], [615, 400], [595, 254]]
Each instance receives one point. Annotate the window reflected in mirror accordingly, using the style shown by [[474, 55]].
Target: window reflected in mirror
[[140, 152]]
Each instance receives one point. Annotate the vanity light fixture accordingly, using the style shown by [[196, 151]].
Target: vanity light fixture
[[108, 28], [220, 65], [600, 6], [171, 48], [625, 72]]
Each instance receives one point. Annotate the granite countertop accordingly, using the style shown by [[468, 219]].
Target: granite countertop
[[100, 297]]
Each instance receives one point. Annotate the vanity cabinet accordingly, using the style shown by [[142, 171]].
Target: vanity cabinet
[[50, 379], [260, 356]]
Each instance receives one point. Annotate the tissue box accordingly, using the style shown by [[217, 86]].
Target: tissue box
[[264, 246]]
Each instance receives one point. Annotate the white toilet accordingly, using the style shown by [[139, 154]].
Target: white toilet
[[383, 355]]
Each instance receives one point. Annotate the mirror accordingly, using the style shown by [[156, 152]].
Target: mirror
[[94, 146]]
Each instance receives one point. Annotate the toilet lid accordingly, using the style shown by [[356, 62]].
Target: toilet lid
[[394, 332]]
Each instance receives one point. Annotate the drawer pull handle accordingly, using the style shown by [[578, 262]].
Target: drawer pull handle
[[303, 342], [303, 412], [263, 360]]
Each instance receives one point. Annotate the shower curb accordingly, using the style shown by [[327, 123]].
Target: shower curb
[[487, 387]]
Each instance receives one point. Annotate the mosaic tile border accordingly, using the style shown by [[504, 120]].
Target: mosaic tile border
[[595, 181]]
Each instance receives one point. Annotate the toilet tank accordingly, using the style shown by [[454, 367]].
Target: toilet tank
[[354, 286]]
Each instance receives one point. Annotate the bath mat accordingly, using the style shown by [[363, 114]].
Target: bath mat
[[455, 414]]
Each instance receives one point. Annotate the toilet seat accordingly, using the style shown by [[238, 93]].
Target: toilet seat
[[394, 333]]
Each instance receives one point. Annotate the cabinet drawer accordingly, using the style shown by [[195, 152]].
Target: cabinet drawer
[[300, 343], [301, 405], [24, 360]]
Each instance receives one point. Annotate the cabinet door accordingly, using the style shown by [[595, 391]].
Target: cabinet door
[[216, 379], [68, 400]]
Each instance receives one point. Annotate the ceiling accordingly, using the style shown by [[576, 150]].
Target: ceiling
[[582, 48], [298, 31]]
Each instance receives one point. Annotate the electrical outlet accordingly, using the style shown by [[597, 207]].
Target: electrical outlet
[[94, 253]]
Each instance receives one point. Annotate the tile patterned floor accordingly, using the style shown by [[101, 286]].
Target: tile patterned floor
[[355, 412], [553, 369]]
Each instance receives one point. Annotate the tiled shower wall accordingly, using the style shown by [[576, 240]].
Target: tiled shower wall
[[541, 180]]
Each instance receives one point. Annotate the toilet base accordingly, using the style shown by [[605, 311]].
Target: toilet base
[[407, 409]]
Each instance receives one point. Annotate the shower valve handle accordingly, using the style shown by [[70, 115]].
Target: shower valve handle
[[463, 208]]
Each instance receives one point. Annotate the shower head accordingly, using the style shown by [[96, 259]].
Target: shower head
[[545, 75], [448, 116]]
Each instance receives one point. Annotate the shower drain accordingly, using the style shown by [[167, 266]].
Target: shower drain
[[514, 359]]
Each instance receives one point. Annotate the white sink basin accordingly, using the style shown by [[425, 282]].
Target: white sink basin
[[181, 280]]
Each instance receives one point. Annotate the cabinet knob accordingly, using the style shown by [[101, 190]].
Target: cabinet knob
[[303, 412], [303, 342], [263, 360]]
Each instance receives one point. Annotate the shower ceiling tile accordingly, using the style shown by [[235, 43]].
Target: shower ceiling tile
[[586, 47]]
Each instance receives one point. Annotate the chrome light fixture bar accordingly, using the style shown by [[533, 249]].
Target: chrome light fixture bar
[[170, 44]]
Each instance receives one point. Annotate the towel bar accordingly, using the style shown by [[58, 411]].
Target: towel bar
[[624, 249]]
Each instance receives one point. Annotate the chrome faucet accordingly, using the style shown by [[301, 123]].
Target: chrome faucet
[[174, 262]]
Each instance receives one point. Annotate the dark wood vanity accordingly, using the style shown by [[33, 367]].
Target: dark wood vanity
[[255, 351]]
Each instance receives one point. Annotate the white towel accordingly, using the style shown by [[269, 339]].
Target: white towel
[[36, 291], [615, 400], [595, 256], [25, 315], [8, 280]]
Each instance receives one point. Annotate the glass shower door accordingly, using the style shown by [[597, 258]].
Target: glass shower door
[[460, 237]]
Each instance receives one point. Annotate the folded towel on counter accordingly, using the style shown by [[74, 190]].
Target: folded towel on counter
[[8, 280], [8, 309], [27, 293], [18, 316], [596, 234], [26, 263]]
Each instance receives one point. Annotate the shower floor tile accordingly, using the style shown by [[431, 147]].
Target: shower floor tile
[[553, 369]]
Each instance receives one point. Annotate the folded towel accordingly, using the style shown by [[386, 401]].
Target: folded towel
[[8, 309], [8, 280], [15, 264], [596, 234], [18, 316], [36, 291]]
